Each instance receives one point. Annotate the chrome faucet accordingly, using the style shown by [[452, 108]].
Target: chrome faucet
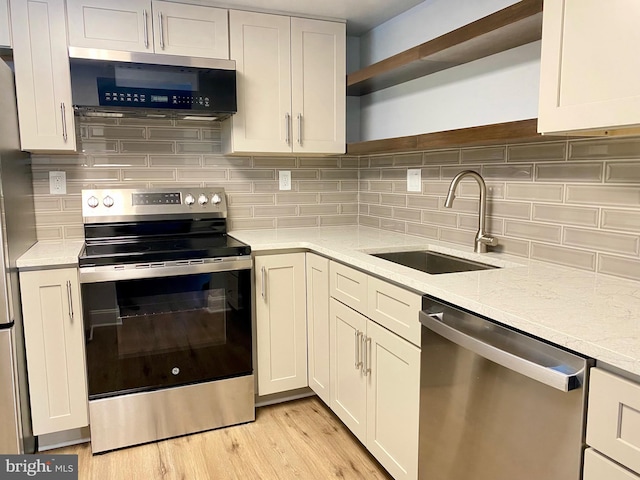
[[482, 239]]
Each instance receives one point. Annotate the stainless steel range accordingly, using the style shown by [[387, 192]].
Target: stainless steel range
[[167, 315]]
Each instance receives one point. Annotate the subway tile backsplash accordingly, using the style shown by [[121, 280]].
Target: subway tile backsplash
[[574, 202]]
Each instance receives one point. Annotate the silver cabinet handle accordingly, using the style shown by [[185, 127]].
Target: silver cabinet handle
[[63, 113], [544, 374], [161, 30], [145, 28], [300, 129], [287, 128], [70, 297], [264, 280], [358, 352], [367, 356]]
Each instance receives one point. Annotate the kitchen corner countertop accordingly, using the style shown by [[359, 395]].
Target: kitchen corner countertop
[[51, 253], [593, 314]]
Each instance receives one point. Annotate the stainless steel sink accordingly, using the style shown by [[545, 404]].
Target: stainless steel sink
[[433, 262]]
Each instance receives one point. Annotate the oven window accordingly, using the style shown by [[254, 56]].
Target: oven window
[[161, 332]]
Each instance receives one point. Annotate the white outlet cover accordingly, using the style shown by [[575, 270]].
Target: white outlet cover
[[58, 183], [414, 180], [285, 179]]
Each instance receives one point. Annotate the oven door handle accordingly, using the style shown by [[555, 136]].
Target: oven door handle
[[151, 270]]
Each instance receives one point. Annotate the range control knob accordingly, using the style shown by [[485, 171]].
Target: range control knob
[[215, 199], [93, 202], [107, 201], [202, 199], [189, 200]]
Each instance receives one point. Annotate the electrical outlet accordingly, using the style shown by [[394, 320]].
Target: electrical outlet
[[414, 180], [57, 183], [285, 179]]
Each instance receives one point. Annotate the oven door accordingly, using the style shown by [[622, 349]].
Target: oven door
[[150, 328]]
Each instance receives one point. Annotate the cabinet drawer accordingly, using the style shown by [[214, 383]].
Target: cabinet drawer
[[613, 419], [349, 286], [395, 308], [597, 467]]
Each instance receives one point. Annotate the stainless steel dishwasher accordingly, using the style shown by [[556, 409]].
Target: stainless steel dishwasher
[[496, 404]]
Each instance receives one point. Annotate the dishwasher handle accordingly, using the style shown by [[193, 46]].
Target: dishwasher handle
[[434, 321]]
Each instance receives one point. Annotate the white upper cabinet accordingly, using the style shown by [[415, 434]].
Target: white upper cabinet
[[146, 26], [190, 30], [590, 66], [318, 86], [260, 45], [291, 85], [5, 29], [113, 25], [43, 83]]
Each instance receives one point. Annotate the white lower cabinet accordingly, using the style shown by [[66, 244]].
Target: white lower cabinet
[[375, 388], [597, 467], [349, 386], [613, 421], [318, 325], [54, 340], [281, 322]]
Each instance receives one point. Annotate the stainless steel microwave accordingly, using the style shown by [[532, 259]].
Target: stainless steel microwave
[[124, 84]]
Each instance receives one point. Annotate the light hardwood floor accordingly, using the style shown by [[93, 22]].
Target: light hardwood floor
[[302, 440]]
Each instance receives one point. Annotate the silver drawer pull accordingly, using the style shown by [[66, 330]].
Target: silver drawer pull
[[358, 351], [70, 297]]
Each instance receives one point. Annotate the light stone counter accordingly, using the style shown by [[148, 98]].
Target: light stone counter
[[596, 315], [50, 254]]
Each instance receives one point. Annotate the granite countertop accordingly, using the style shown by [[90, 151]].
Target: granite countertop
[[48, 254], [594, 314]]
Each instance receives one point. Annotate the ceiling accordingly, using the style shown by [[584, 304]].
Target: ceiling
[[361, 15]]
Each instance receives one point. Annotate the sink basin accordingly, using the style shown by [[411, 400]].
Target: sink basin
[[433, 263]]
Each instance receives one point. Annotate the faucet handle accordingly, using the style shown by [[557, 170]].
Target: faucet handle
[[487, 240]]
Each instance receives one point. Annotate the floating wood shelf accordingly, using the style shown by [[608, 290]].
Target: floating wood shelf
[[522, 131], [508, 28]]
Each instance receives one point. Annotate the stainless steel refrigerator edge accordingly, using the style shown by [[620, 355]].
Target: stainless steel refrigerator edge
[[496, 404], [17, 234]]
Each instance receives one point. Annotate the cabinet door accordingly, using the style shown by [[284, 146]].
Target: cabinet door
[[597, 467], [281, 323], [54, 340], [260, 45], [5, 30], [318, 85], [348, 383], [112, 25], [43, 83], [190, 30], [393, 402], [584, 83], [318, 325], [613, 417]]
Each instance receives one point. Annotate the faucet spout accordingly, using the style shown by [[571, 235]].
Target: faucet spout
[[482, 239]]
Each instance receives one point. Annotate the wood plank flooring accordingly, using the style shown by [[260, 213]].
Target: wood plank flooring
[[301, 439]]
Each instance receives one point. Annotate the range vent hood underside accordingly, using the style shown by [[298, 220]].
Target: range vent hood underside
[[126, 112]]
